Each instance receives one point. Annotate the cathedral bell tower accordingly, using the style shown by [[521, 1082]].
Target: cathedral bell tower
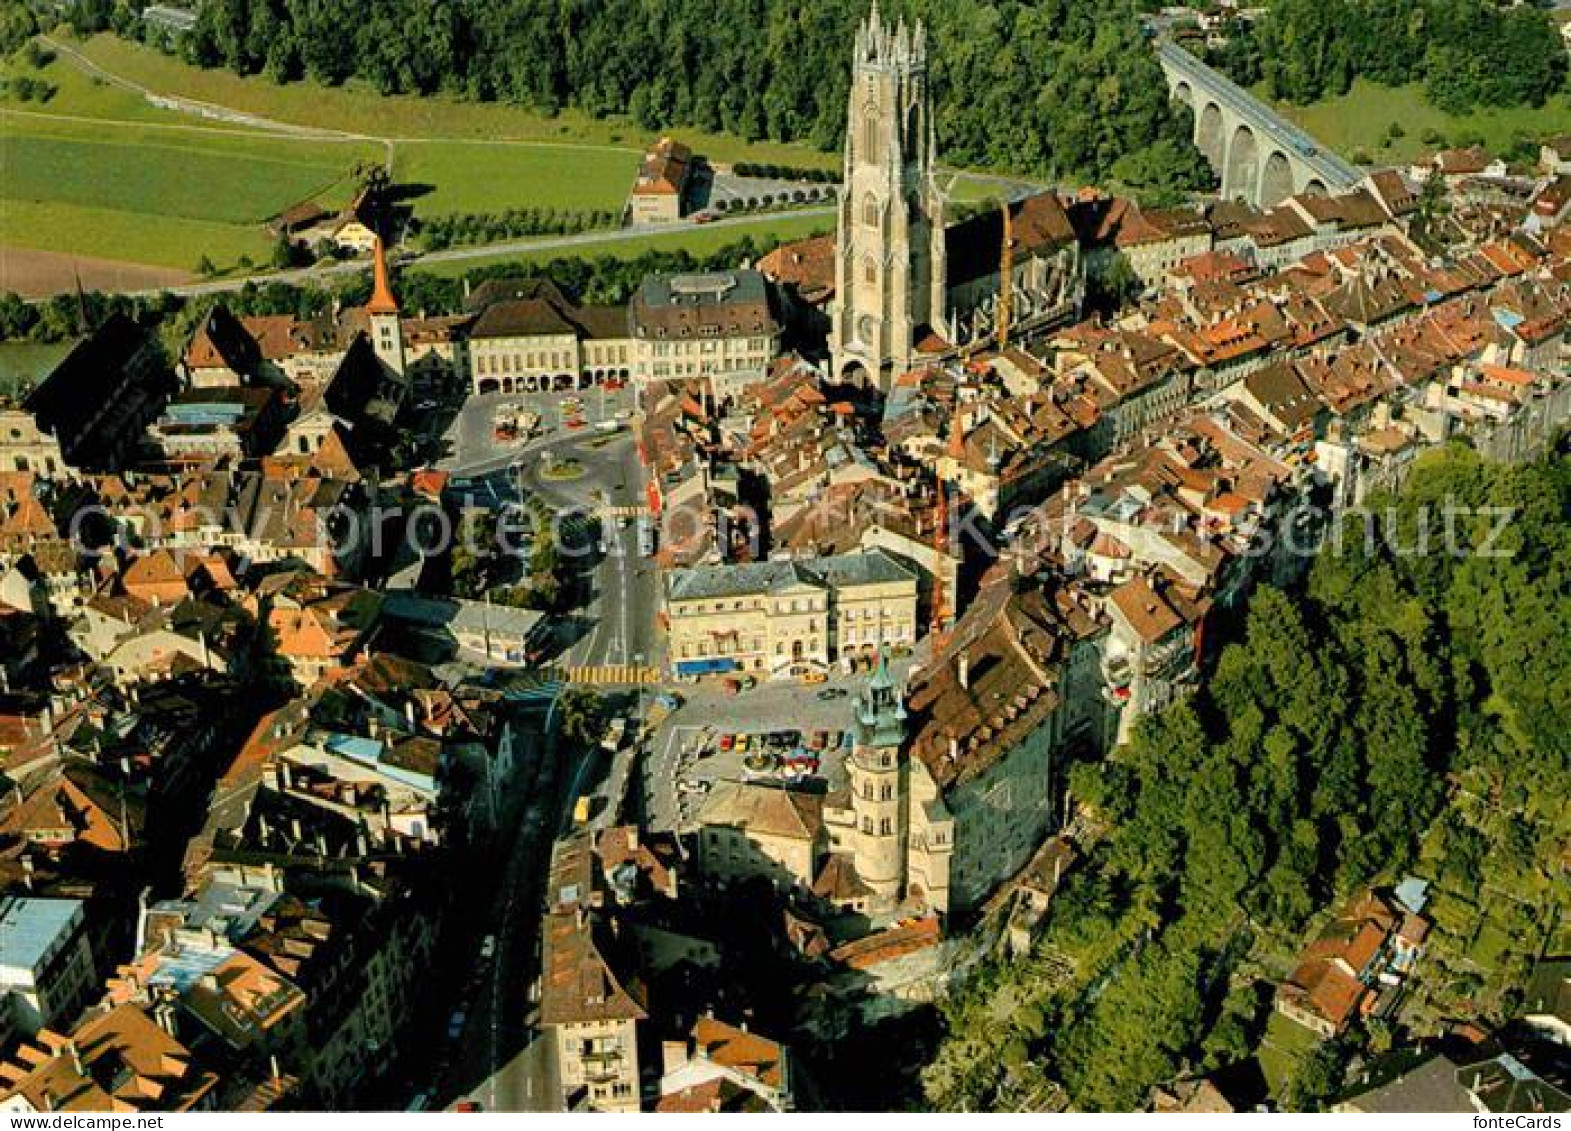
[[889, 242]]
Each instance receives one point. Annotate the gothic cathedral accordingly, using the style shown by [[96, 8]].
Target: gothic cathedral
[[889, 266]]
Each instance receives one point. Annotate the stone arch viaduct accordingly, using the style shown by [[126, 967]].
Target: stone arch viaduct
[[1260, 156]]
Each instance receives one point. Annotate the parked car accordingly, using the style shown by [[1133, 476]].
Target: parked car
[[815, 677], [727, 741], [455, 1024], [488, 947]]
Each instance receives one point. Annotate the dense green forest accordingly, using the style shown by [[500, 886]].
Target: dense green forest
[[1035, 86], [1466, 53], [1405, 711]]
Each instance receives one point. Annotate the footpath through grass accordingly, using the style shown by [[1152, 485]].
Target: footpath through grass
[[98, 170]]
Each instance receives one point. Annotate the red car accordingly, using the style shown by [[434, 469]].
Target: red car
[[727, 741]]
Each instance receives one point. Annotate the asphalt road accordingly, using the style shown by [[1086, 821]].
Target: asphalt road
[[321, 271], [497, 1059]]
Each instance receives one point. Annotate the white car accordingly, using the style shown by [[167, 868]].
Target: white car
[[488, 947]]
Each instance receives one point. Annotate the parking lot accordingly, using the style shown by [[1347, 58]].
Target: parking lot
[[690, 745], [474, 441], [701, 756], [728, 192]]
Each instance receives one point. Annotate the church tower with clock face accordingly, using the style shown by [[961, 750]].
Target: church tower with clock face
[[889, 244]]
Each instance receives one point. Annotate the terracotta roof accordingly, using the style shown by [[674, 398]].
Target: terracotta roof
[[579, 983], [1038, 225], [746, 1052], [119, 1060], [664, 169], [887, 945], [763, 809], [222, 342], [808, 265], [1145, 610]]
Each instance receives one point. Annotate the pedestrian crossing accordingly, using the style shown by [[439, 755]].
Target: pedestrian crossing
[[536, 692], [608, 675], [632, 511]]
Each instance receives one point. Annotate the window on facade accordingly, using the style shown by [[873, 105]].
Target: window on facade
[[870, 210], [870, 134], [884, 828], [870, 271]]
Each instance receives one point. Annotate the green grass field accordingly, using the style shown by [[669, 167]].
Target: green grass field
[[99, 170], [475, 177], [1283, 1046], [168, 175], [1357, 121]]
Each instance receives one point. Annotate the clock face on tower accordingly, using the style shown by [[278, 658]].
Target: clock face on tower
[[867, 328]]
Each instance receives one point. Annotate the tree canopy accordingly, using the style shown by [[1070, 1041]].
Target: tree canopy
[[1047, 86], [1342, 739], [1466, 53]]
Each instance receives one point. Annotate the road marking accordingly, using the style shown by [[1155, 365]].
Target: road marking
[[607, 675]]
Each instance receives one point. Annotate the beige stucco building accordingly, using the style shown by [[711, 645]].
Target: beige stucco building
[[787, 618], [719, 326], [532, 343]]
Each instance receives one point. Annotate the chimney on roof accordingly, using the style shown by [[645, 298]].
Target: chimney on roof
[[963, 667], [164, 1013]]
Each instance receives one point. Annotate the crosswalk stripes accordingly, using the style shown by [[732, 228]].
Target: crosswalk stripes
[[633, 511], [538, 692], [609, 675]]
